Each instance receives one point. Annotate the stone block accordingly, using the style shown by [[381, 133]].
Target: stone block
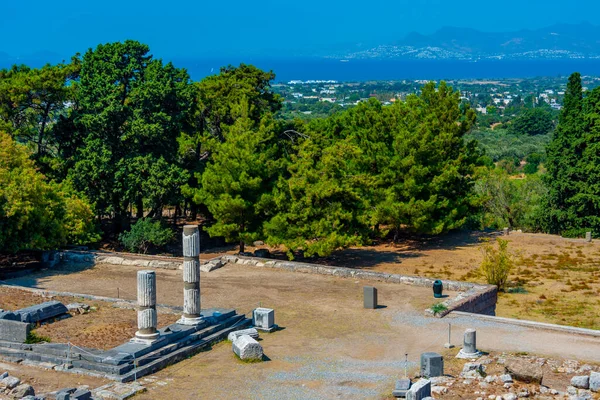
[[10, 382], [524, 371], [211, 265], [81, 394], [252, 332], [595, 381], [9, 315], [14, 331], [22, 391], [402, 386], [264, 319], [247, 348], [63, 396], [42, 312], [432, 365], [370, 297], [581, 382], [420, 390], [262, 253]]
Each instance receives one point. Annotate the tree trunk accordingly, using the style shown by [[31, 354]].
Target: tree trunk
[[42, 131], [139, 208], [396, 234], [242, 246]]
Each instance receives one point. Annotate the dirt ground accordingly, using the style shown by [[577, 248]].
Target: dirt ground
[[103, 327], [45, 380], [556, 280], [329, 345]]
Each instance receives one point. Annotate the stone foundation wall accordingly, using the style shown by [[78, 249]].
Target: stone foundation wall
[[53, 258], [482, 302]]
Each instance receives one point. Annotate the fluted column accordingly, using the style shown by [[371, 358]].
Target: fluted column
[[191, 276], [146, 293]]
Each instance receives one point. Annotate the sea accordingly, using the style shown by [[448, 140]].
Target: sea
[[287, 69]]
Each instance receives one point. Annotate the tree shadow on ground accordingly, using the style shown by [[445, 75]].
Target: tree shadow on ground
[[32, 280], [408, 246]]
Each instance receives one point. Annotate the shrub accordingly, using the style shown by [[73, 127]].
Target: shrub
[[438, 308], [497, 263], [145, 233], [34, 338]]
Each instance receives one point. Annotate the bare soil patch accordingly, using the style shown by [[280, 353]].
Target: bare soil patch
[[103, 327]]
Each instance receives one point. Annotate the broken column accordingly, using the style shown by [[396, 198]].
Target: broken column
[[147, 319], [469, 349], [191, 276]]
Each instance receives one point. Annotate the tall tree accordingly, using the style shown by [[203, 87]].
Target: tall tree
[[237, 182], [585, 202], [430, 176], [215, 109], [33, 99], [131, 109], [564, 152], [218, 95]]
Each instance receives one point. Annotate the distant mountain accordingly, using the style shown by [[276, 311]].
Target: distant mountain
[[557, 41]]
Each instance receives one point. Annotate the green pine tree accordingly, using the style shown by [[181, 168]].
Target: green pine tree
[[564, 152], [237, 182]]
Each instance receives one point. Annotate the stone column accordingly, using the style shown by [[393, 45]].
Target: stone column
[[469, 349], [470, 341], [147, 319], [191, 276]]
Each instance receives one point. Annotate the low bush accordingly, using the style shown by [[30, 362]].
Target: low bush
[[144, 234], [497, 263]]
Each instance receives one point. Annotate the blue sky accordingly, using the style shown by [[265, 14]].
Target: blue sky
[[214, 28]]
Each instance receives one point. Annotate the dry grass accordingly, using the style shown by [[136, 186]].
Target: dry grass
[[555, 280]]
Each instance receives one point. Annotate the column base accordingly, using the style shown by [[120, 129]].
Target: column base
[[463, 354], [190, 321], [146, 338]]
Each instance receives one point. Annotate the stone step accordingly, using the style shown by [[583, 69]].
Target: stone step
[[181, 353], [146, 359]]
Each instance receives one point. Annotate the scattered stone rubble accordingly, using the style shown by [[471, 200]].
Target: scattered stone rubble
[[11, 387], [509, 377]]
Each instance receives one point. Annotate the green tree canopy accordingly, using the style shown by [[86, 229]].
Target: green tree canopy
[[406, 166], [532, 121], [563, 161], [33, 99], [238, 180], [35, 213], [130, 111]]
